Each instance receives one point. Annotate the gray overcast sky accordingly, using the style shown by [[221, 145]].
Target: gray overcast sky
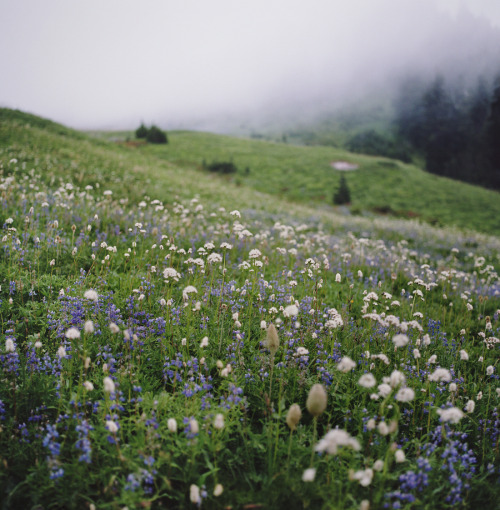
[[112, 63]]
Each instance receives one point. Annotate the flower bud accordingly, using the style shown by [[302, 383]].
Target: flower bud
[[293, 416], [316, 400], [272, 340]]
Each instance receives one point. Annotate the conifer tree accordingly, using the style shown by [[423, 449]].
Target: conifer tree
[[342, 195]]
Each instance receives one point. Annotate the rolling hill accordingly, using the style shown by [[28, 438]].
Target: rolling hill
[[300, 174]]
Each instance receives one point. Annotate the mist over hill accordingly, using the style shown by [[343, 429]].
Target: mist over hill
[[460, 49]]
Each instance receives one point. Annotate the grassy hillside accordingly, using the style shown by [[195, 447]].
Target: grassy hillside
[[304, 174], [301, 174], [171, 339]]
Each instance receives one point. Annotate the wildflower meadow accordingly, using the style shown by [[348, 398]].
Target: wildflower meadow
[[185, 353]]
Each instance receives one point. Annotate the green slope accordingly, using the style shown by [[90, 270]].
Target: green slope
[[303, 175]]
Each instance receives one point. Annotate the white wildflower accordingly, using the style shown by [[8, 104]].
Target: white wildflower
[[367, 381], [72, 334], [440, 374], [384, 389], [346, 364], [88, 385], [193, 426], [383, 428], [291, 311], [405, 395], [194, 494], [452, 414], [336, 438], [188, 290], [91, 295], [400, 340], [109, 385], [308, 475], [112, 426], [399, 456], [364, 477], [470, 406], [397, 378], [219, 421]]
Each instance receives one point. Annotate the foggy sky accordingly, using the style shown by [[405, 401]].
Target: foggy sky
[[111, 64]]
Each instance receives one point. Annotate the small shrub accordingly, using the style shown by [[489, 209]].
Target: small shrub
[[156, 135], [152, 135], [141, 131], [223, 167]]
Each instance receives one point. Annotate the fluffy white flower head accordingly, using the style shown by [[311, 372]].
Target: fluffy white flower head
[[91, 295], [450, 415], [72, 334], [400, 340], [346, 364], [334, 439]]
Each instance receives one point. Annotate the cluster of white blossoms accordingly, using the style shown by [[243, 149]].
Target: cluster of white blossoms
[[440, 375], [336, 438], [346, 364], [450, 415]]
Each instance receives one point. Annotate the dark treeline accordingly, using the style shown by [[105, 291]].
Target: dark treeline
[[454, 127]]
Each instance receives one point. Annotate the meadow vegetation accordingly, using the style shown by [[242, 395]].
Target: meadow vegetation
[[305, 174], [171, 339]]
